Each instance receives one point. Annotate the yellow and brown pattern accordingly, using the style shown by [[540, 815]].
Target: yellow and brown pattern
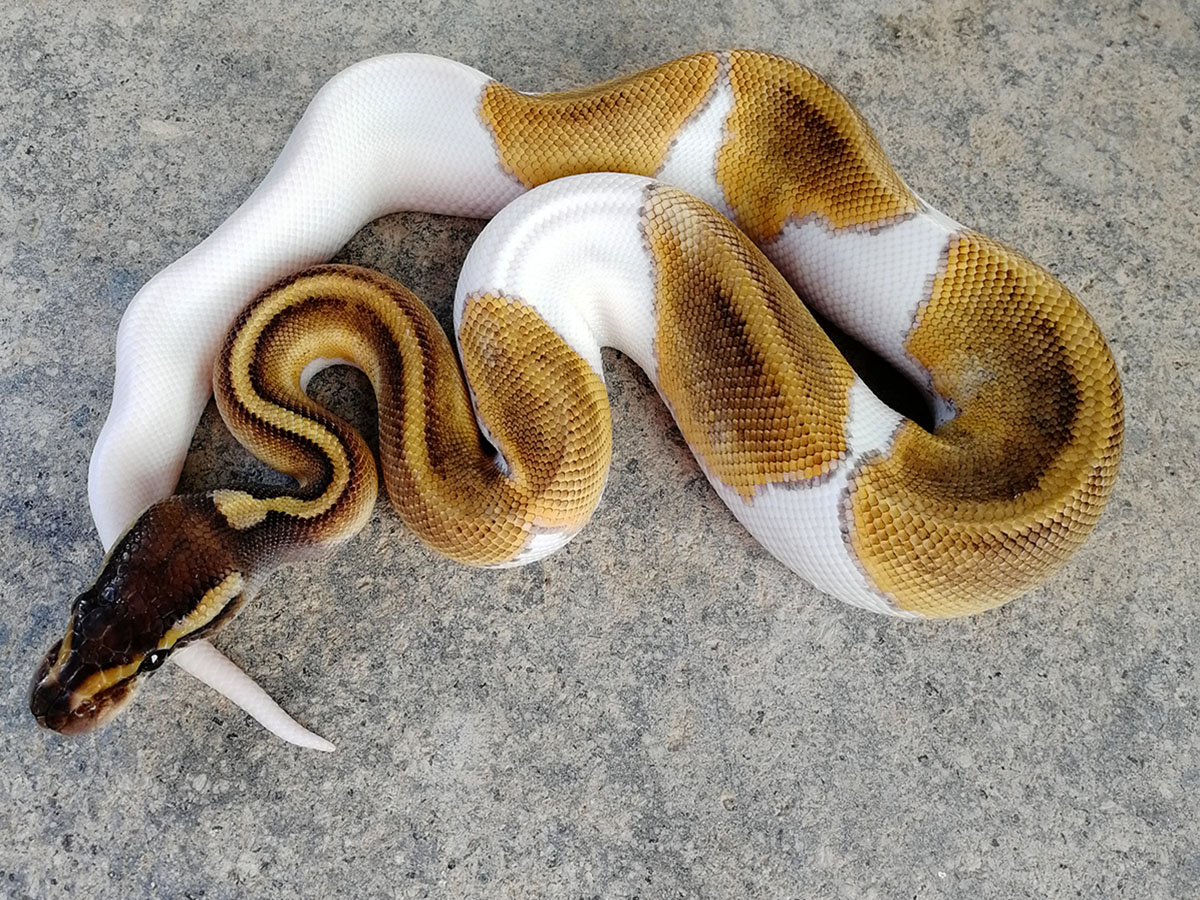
[[991, 503], [626, 125], [549, 414], [257, 388], [759, 391], [187, 564], [797, 147]]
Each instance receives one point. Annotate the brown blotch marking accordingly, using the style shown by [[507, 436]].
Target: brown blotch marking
[[988, 506], [625, 125], [758, 390], [797, 147], [547, 410]]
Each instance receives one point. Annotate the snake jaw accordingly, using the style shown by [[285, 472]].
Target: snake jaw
[[57, 705], [60, 710], [47, 696]]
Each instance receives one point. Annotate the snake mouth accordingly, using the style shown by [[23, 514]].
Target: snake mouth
[[58, 707]]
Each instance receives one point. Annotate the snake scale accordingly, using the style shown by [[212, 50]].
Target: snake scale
[[613, 209]]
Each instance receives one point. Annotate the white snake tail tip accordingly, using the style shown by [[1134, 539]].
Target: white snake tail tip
[[202, 660]]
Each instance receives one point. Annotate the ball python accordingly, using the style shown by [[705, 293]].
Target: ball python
[[613, 226]]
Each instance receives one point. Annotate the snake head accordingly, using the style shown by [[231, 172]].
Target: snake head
[[169, 580], [90, 673]]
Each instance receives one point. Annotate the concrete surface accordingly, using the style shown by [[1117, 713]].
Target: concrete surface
[[653, 712]]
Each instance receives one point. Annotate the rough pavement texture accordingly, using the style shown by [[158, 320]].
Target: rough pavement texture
[[660, 710]]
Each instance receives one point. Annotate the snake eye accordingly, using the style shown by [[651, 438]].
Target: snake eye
[[153, 660]]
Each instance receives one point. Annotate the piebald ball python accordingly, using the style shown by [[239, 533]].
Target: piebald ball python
[[507, 466]]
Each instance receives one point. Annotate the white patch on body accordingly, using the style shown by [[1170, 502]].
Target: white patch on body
[[574, 251], [541, 543], [691, 163], [320, 364], [397, 132], [869, 282]]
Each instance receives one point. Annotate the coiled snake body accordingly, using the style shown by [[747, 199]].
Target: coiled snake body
[[508, 466]]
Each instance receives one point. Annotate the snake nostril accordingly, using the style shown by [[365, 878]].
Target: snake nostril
[[49, 700]]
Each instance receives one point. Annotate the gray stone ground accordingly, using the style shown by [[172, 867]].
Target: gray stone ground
[[660, 710]]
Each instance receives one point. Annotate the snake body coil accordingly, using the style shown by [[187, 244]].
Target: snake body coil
[[508, 465]]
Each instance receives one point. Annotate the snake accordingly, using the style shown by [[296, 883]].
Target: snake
[[678, 215]]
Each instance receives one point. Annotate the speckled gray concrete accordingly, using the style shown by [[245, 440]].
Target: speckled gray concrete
[[659, 710]]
